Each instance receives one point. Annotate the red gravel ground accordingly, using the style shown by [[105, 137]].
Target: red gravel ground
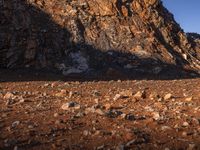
[[121, 114]]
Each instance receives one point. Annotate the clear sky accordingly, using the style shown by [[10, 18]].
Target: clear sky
[[186, 13]]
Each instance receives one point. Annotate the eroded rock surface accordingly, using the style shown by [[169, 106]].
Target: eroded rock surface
[[134, 33]]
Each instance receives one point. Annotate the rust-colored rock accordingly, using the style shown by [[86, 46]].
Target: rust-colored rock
[[43, 33]]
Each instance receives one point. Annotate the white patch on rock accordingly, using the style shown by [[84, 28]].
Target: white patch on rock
[[80, 64], [157, 70], [128, 66]]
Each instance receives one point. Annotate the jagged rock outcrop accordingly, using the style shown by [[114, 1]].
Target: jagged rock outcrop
[[126, 33]]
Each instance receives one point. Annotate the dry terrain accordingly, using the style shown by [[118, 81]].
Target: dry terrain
[[45, 111]]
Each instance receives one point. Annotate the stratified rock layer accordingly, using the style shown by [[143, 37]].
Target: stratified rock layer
[[43, 33]]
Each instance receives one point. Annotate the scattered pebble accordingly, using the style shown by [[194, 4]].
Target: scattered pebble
[[156, 116], [189, 99], [100, 112], [185, 124], [140, 95], [113, 113], [9, 95], [70, 105], [116, 97], [62, 93], [15, 124], [130, 117], [165, 128], [108, 106], [130, 143], [184, 134], [55, 114], [168, 96], [86, 132], [191, 147]]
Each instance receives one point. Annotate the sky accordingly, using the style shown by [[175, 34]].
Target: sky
[[186, 13]]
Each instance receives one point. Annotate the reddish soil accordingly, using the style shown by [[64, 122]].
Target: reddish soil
[[106, 115]]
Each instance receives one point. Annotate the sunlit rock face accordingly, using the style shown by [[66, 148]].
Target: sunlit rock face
[[45, 33]]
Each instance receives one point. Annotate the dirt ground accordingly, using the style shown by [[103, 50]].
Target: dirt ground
[[43, 111]]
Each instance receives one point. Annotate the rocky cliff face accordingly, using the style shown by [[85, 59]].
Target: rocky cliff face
[[75, 35]]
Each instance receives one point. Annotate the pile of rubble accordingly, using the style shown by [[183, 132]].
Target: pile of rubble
[[122, 34]]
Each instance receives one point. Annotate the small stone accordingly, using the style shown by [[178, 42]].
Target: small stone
[[9, 95], [184, 134], [176, 126], [153, 96], [140, 95], [57, 122], [113, 113], [97, 132], [96, 93], [70, 94], [53, 84], [167, 96], [86, 132], [1, 95], [107, 106], [44, 94], [126, 93], [156, 116], [100, 112], [130, 117], [21, 99], [149, 109], [15, 148], [55, 114], [191, 147], [96, 100], [62, 93], [102, 147], [15, 124], [79, 114], [116, 97], [164, 128], [185, 124], [130, 143], [89, 110], [119, 81], [4, 115], [30, 126], [70, 105], [128, 136], [46, 84], [189, 99]]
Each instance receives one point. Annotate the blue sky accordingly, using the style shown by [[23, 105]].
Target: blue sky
[[186, 13]]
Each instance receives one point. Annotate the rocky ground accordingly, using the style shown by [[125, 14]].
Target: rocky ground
[[157, 108], [37, 112]]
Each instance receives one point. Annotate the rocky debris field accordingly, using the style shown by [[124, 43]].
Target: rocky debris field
[[48, 113]]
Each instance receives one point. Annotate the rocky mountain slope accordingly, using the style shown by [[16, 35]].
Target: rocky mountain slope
[[77, 35]]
